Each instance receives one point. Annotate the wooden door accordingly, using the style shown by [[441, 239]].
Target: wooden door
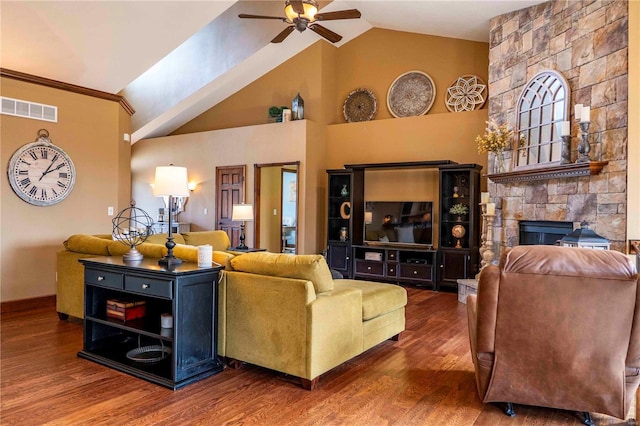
[[230, 188]]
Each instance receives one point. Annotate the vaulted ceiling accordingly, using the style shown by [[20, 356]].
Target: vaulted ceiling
[[173, 60]]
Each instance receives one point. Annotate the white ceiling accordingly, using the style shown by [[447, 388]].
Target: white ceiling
[[106, 45]]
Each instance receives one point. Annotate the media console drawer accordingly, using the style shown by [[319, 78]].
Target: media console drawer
[[416, 271], [368, 267]]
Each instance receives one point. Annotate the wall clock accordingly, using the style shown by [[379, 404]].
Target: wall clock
[[41, 173]]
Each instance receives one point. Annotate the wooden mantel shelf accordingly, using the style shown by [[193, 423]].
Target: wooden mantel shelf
[[560, 171]]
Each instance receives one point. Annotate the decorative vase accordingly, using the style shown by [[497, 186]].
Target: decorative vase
[[344, 192]]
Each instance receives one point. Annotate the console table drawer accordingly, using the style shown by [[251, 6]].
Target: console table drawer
[[421, 272], [392, 270], [149, 286], [103, 278], [372, 268]]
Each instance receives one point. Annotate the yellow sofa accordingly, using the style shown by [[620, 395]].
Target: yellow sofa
[[279, 311], [70, 272], [286, 313]]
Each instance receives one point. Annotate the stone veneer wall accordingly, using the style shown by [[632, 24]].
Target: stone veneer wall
[[586, 41]]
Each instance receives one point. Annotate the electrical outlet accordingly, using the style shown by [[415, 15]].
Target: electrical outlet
[[205, 211], [275, 212], [109, 211]]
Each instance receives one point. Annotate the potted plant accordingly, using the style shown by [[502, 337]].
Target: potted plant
[[275, 114], [459, 210]]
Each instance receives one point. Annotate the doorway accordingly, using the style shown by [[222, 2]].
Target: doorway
[[276, 206]]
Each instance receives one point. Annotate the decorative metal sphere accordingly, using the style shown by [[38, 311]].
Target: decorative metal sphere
[[132, 227]]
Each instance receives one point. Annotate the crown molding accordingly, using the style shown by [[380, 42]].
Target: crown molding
[[29, 78]]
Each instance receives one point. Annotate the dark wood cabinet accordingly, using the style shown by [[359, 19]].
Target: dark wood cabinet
[[187, 293], [399, 265], [454, 255], [459, 234], [345, 217]]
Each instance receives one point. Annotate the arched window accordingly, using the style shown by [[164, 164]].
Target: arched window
[[542, 107]]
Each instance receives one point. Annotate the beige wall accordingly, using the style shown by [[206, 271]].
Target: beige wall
[[202, 152], [324, 76], [89, 130]]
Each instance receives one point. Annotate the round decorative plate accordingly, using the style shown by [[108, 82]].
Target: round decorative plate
[[411, 94], [360, 105], [467, 93]]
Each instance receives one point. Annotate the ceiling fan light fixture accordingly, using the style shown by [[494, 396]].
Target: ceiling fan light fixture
[[310, 9]]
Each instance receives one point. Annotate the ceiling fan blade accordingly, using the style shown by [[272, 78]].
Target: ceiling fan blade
[[297, 6], [339, 14], [280, 37], [244, 15], [326, 33]]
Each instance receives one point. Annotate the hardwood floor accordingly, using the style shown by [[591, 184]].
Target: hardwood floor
[[424, 379]]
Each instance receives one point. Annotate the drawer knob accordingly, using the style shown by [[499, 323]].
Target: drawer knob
[[415, 272], [368, 268], [145, 286], [100, 278]]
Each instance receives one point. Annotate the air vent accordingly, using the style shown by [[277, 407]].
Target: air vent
[[29, 109]]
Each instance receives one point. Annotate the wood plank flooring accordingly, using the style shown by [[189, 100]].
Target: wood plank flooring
[[424, 379]]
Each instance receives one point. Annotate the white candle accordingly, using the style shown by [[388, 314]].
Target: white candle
[[491, 208], [585, 116], [577, 111], [484, 197], [566, 128]]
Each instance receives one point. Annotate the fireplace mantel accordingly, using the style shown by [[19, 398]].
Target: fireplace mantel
[[560, 171]]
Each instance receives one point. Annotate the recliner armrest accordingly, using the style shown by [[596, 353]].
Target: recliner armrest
[[488, 287]]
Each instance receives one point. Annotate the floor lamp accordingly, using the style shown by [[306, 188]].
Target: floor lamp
[[171, 181], [242, 212]]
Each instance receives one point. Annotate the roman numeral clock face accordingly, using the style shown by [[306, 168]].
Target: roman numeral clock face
[[41, 173]]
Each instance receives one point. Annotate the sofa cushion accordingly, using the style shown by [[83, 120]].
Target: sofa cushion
[[82, 243], [149, 250], [377, 298], [162, 238], [219, 240], [310, 267]]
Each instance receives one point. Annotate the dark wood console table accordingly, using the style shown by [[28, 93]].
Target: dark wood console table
[[188, 293]]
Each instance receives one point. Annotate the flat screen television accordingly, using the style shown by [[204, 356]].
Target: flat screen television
[[398, 222]]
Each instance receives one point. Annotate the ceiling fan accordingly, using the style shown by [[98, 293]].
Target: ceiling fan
[[303, 14]]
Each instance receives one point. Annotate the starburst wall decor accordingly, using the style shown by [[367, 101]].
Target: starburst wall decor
[[467, 93]]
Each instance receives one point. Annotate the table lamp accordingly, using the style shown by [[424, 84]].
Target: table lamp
[[171, 181], [242, 212]]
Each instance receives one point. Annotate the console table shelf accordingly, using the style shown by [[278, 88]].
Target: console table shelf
[[187, 292]]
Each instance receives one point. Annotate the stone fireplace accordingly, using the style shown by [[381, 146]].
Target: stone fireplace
[[587, 43]]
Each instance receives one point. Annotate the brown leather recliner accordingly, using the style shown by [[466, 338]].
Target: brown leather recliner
[[558, 327]]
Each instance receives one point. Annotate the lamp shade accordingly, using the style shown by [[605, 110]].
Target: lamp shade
[[242, 212], [171, 180], [310, 8]]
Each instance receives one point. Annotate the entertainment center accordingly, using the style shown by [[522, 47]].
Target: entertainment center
[[415, 242]]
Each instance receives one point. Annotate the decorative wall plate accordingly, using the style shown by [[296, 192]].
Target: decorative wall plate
[[360, 105], [467, 93], [411, 94]]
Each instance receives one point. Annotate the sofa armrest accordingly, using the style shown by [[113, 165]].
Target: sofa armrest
[[335, 330], [266, 321]]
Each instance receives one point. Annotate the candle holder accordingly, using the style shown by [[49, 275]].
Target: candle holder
[[566, 150], [488, 255], [583, 146], [483, 238]]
